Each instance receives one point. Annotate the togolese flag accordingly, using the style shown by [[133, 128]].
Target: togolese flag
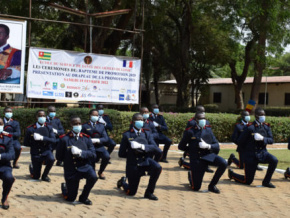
[[44, 55]]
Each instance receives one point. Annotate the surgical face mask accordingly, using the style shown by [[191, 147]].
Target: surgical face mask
[[52, 114], [202, 123], [101, 112], [145, 116], [262, 119], [1, 128], [247, 118], [77, 128], [41, 120], [156, 110], [94, 118], [139, 124], [8, 115]]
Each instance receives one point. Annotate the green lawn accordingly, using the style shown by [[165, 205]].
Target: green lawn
[[283, 156]]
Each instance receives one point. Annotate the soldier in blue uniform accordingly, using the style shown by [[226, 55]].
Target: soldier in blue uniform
[[40, 147], [137, 145], [192, 123], [239, 128], [6, 155], [99, 136], [287, 172], [105, 120], [12, 127], [56, 125], [160, 125], [76, 150], [253, 141], [203, 149]]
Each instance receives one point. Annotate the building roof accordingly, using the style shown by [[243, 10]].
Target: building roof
[[249, 80]]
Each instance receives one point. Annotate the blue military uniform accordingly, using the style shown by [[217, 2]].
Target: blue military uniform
[[161, 139], [239, 128], [40, 154], [111, 144], [7, 154], [56, 124], [76, 169], [255, 152], [138, 163], [12, 127], [201, 158], [97, 130]]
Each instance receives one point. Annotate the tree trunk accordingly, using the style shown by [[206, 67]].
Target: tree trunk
[[182, 92], [156, 88]]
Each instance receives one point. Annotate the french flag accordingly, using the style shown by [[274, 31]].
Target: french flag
[[127, 63]]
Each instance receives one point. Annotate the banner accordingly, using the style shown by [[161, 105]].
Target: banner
[[66, 75], [12, 55]]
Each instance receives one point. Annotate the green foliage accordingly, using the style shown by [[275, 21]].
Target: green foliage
[[222, 124], [211, 108], [278, 111]]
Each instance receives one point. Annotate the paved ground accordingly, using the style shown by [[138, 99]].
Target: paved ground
[[40, 199]]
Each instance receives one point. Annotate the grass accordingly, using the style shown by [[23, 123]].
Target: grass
[[283, 155]]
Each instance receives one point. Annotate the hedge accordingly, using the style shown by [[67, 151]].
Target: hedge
[[222, 124]]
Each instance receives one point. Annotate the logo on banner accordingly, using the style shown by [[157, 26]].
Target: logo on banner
[[88, 59], [95, 87], [59, 94], [85, 88], [62, 85], [47, 93], [76, 94], [46, 83], [122, 90], [127, 63], [44, 56], [84, 95], [68, 94], [121, 97], [54, 85], [34, 85], [34, 92]]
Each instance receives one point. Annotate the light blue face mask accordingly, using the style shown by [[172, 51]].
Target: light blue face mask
[[262, 119], [94, 118], [101, 112], [52, 114], [41, 120], [8, 115], [145, 116], [156, 110], [139, 124], [1, 128], [77, 128], [202, 123], [247, 118]]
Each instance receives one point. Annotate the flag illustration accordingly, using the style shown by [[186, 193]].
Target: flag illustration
[[44, 56], [127, 63]]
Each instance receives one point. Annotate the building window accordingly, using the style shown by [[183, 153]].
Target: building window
[[262, 98], [287, 98], [217, 97]]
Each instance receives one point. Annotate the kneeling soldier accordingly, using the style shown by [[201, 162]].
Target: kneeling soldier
[[76, 149], [137, 146], [203, 149]]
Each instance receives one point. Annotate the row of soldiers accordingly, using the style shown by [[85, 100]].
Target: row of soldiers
[[77, 151], [83, 146]]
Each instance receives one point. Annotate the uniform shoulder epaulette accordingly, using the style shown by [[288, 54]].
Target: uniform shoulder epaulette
[[267, 124], [31, 126], [188, 128], [7, 134], [84, 135], [237, 123], [208, 126], [145, 129], [61, 136], [128, 131], [191, 119], [106, 115], [249, 124]]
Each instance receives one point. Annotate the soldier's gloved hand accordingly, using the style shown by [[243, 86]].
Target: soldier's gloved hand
[[0, 156], [95, 140], [37, 137], [136, 145], [258, 137], [76, 151], [54, 130], [5, 132], [102, 121], [204, 145], [155, 124]]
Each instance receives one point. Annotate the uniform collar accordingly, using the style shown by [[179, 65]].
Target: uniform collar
[[7, 121], [4, 47], [92, 124], [136, 131], [38, 125], [245, 123]]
